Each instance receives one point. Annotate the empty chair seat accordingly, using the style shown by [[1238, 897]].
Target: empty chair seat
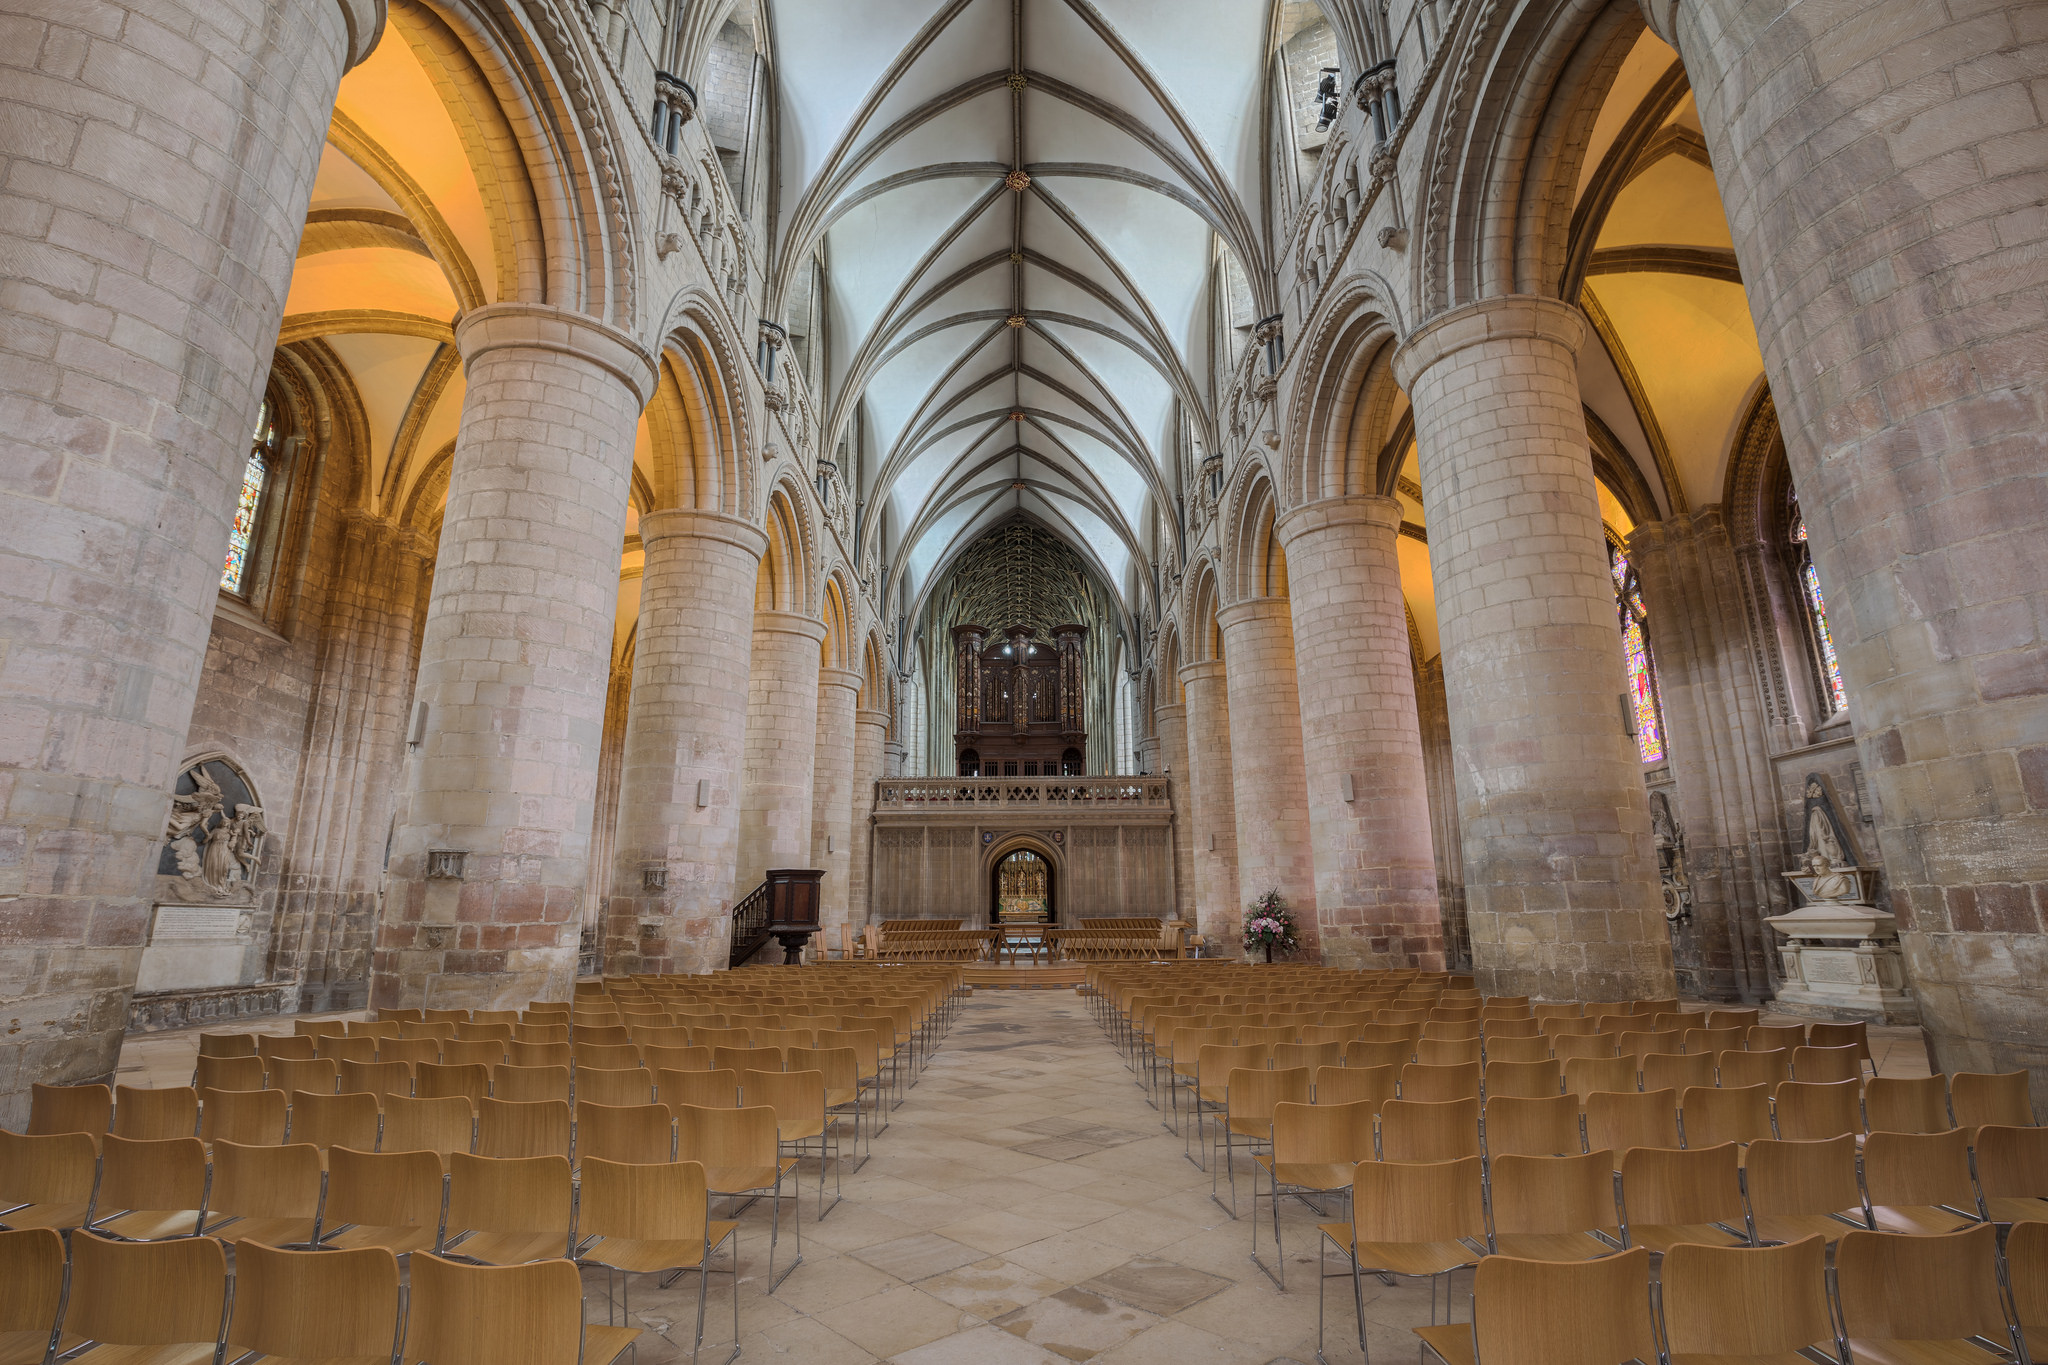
[[605, 1056], [504, 1315], [616, 1086], [1515, 1317], [1420, 1220], [1804, 1189], [31, 1293], [1709, 1041], [1554, 1208], [338, 1307], [740, 1154], [541, 1054], [170, 1112], [1586, 1076], [1621, 1120], [1827, 1064], [1737, 1069], [1670, 1196], [1314, 1149], [442, 1126], [1899, 1104], [1920, 1182], [265, 1194], [1809, 1110], [1429, 1130], [1712, 1115], [705, 1089], [1448, 1052], [474, 1032], [1855, 1034], [251, 1117], [528, 1084], [146, 1303], [1915, 1299], [1535, 1048], [352, 1048], [328, 1121], [509, 1210], [46, 1179], [1747, 1305], [1572, 1046], [150, 1189], [228, 1073], [1361, 1053], [484, 1053], [236, 1044], [1524, 1080], [321, 1075], [2026, 1261], [1429, 1084], [377, 1079], [1733, 1019], [656, 1057], [2012, 1173], [648, 1219], [471, 1080], [270, 1045], [409, 1052], [523, 1128], [1349, 1085], [1542, 1126], [1977, 1098], [628, 1132], [70, 1109], [382, 1199]]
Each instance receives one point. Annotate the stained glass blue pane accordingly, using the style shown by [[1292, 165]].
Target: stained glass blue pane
[[245, 524], [1830, 666]]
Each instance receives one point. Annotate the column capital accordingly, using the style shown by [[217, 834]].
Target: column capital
[[1662, 18], [1362, 509], [676, 523], [365, 21], [1202, 670], [866, 716], [1255, 609], [1507, 318], [839, 677], [788, 623], [1176, 712], [536, 326]]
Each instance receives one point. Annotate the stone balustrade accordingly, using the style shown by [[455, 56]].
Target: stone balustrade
[[1011, 793]]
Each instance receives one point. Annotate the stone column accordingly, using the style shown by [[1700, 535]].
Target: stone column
[[514, 666], [870, 744], [1267, 774], [1218, 916], [782, 744], [1172, 724], [1560, 876], [686, 727], [160, 158], [832, 780], [1376, 892], [1885, 207]]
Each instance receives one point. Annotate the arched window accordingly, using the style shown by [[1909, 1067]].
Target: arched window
[[1646, 707], [259, 477], [1820, 640]]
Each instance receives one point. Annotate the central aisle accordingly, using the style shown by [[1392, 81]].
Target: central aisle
[[1026, 1207]]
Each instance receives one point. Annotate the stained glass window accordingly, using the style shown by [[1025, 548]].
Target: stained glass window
[[1647, 710], [255, 475], [1826, 664]]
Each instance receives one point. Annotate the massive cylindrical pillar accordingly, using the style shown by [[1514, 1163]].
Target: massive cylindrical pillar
[[1172, 722], [1218, 916], [159, 162], [782, 746], [686, 727], [492, 845], [832, 796], [1560, 875], [1884, 201], [870, 756], [1368, 792], [1267, 774]]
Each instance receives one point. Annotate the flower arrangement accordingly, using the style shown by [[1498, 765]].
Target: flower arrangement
[[1270, 925]]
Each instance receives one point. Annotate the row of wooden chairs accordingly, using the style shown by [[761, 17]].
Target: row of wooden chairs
[[101, 1298]]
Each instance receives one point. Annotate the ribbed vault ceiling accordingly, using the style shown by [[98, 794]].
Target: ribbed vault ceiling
[[994, 348]]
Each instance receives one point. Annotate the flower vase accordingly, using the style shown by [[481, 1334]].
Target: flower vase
[[1269, 951]]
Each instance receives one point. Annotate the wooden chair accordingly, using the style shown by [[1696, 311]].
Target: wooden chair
[[228, 1073], [406, 1016], [509, 1210], [1921, 1298], [702, 1089], [445, 1016], [478, 1052], [1448, 1052], [643, 1220], [1679, 1072], [150, 1190], [1573, 1047], [1308, 1056], [1736, 1019], [1670, 1196], [1524, 1080], [1809, 1110], [1554, 1208], [418, 1030], [509, 1128], [377, 1079], [1519, 1315], [337, 1307], [144, 1113], [1978, 1098], [1711, 1041], [1643, 1045], [1737, 1069], [1827, 1064], [739, 1153], [1349, 1085], [1363, 1053], [1588, 1076], [478, 1032], [746, 1059], [329, 1121], [265, 1194], [31, 1293], [236, 1044], [46, 1179], [1516, 1050], [661, 1057], [409, 1052], [2026, 1263], [616, 1086], [530, 1084], [1804, 1189], [145, 1303], [351, 1048], [382, 1199], [1501, 1027], [604, 1056], [2012, 1173], [1621, 1120], [1897, 1104], [1856, 1035], [471, 1080], [1419, 1220], [1747, 1305], [624, 1132], [374, 1028], [298, 1046], [1211, 1094], [541, 1033], [321, 1075], [1542, 1126], [1772, 1037], [504, 1315], [1429, 1130], [541, 1054], [250, 1117], [1429, 1084], [442, 1126], [600, 1035], [798, 1099], [1710, 1115], [1920, 1182], [840, 1067], [320, 1028]]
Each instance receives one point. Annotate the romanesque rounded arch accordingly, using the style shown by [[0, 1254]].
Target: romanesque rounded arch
[[1167, 652], [1345, 394], [1203, 638], [695, 454], [784, 580], [1004, 845], [874, 675], [1253, 564], [835, 610]]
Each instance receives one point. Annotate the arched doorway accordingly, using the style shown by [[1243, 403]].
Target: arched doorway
[[1021, 889]]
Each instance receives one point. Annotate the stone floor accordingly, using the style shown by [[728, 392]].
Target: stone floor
[[1024, 1207]]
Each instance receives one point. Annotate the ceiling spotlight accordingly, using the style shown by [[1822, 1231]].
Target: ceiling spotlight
[[1017, 181]]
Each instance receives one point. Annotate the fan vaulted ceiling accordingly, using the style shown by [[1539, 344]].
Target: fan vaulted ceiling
[[996, 346]]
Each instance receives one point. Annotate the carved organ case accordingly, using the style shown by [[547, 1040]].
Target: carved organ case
[[1021, 704]]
